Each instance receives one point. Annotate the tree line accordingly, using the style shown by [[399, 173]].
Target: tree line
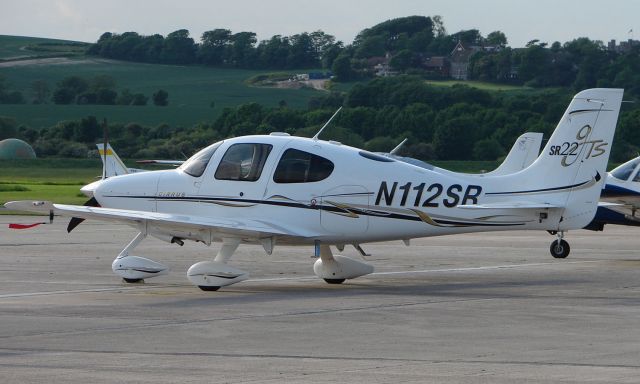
[[442, 123], [409, 41], [222, 48], [100, 89]]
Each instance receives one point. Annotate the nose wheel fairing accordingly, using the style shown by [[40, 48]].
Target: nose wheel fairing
[[135, 268]]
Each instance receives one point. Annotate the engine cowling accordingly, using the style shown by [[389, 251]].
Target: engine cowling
[[215, 274], [136, 268]]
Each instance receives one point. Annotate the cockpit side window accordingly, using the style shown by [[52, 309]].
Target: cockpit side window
[[243, 162], [297, 166], [624, 171], [197, 163]]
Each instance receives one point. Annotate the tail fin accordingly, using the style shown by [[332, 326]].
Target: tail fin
[[523, 153], [111, 163], [570, 171]]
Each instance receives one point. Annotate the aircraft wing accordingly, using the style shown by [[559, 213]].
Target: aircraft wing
[[166, 222], [511, 205]]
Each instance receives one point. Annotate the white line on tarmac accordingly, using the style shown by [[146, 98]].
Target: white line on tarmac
[[304, 278], [423, 271], [27, 294]]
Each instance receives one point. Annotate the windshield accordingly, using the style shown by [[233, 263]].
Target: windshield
[[624, 171], [197, 163]]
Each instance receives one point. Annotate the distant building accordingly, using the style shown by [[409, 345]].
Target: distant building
[[460, 60], [623, 47], [437, 65], [16, 149], [380, 65]]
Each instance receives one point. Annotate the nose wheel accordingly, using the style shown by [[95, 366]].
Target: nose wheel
[[560, 248]]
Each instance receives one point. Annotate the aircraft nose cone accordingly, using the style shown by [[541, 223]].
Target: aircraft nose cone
[[88, 189]]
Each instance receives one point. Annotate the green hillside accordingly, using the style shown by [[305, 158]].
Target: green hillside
[[192, 89], [22, 47]]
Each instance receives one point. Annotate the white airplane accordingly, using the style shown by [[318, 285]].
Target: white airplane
[[279, 189], [620, 198]]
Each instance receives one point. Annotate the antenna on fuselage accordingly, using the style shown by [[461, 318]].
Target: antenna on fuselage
[[397, 148], [325, 124], [105, 128]]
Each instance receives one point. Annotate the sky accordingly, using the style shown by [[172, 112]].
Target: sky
[[521, 21]]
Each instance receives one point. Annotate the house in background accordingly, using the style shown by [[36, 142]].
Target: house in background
[[438, 65], [460, 60]]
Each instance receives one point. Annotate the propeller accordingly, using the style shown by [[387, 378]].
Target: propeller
[[75, 221], [92, 202]]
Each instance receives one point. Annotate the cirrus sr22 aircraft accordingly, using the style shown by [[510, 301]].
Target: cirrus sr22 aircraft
[[279, 189]]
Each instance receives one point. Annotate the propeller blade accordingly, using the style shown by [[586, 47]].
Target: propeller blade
[[75, 221]]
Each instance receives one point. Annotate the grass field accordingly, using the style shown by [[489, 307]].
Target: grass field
[[477, 84], [17, 47], [192, 89], [57, 180]]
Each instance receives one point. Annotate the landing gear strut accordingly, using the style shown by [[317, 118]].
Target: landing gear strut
[[560, 248]]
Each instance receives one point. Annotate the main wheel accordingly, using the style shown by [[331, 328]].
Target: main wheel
[[560, 249], [132, 281], [208, 288], [334, 281]]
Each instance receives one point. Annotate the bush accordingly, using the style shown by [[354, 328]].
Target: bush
[[487, 149], [71, 149], [139, 99], [161, 98], [63, 96]]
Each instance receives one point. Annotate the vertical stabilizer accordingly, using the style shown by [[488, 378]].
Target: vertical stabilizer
[[111, 162], [570, 171], [523, 153]]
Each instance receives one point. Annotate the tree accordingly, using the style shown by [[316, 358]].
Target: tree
[[125, 97], [496, 38], [40, 91], [487, 149], [453, 140], [139, 99], [8, 128], [215, 43], [106, 96], [342, 68], [102, 82], [161, 98], [402, 60], [87, 131], [242, 49], [179, 48], [438, 26], [63, 96]]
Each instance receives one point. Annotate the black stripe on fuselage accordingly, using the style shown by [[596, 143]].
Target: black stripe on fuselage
[[538, 190], [328, 208]]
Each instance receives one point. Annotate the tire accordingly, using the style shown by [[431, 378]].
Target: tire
[[560, 249], [207, 288], [334, 281]]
